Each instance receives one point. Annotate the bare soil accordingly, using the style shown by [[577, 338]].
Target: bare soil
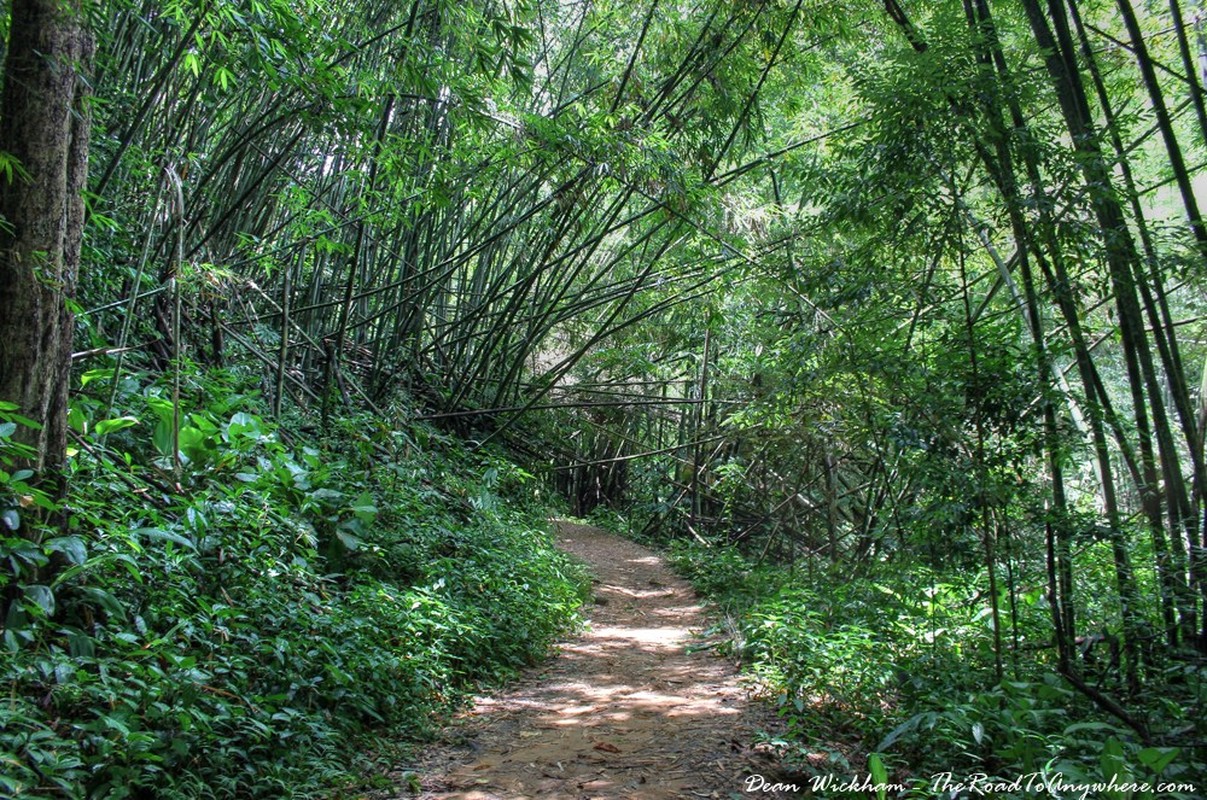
[[637, 706]]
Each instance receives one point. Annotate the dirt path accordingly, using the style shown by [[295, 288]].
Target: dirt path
[[627, 710]]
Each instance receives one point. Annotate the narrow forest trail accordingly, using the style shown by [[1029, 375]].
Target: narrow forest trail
[[626, 710]]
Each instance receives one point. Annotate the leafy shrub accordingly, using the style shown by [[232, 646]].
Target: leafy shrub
[[246, 637], [900, 665]]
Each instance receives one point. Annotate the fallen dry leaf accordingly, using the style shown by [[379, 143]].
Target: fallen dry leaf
[[630, 677]]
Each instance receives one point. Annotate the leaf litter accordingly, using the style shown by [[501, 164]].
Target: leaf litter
[[632, 707]]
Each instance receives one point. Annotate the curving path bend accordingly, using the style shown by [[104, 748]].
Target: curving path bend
[[627, 709]]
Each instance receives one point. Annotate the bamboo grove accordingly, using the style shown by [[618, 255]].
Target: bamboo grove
[[851, 284], [973, 306]]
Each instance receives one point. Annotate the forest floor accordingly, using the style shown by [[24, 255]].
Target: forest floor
[[636, 706]]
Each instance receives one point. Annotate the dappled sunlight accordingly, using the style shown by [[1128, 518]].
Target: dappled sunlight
[[627, 709], [664, 637], [673, 612], [630, 592]]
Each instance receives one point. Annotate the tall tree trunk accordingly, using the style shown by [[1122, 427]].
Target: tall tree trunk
[[1119, 248], [44, 126], [1164, 122], [1170, 556], [1194, 85]]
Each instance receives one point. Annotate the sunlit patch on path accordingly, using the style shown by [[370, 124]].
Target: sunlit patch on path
[[627, 710]]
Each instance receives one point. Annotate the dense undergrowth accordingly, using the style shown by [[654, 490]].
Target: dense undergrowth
[[253, 621], [899, 666]]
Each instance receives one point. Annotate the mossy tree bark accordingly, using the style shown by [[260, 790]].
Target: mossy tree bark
[[44, 125]]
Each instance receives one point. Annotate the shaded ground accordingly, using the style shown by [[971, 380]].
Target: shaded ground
[[629, 709]]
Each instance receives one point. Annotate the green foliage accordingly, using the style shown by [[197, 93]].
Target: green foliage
[[901, 670], [17, 491], [782, 247], [250, 637]]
